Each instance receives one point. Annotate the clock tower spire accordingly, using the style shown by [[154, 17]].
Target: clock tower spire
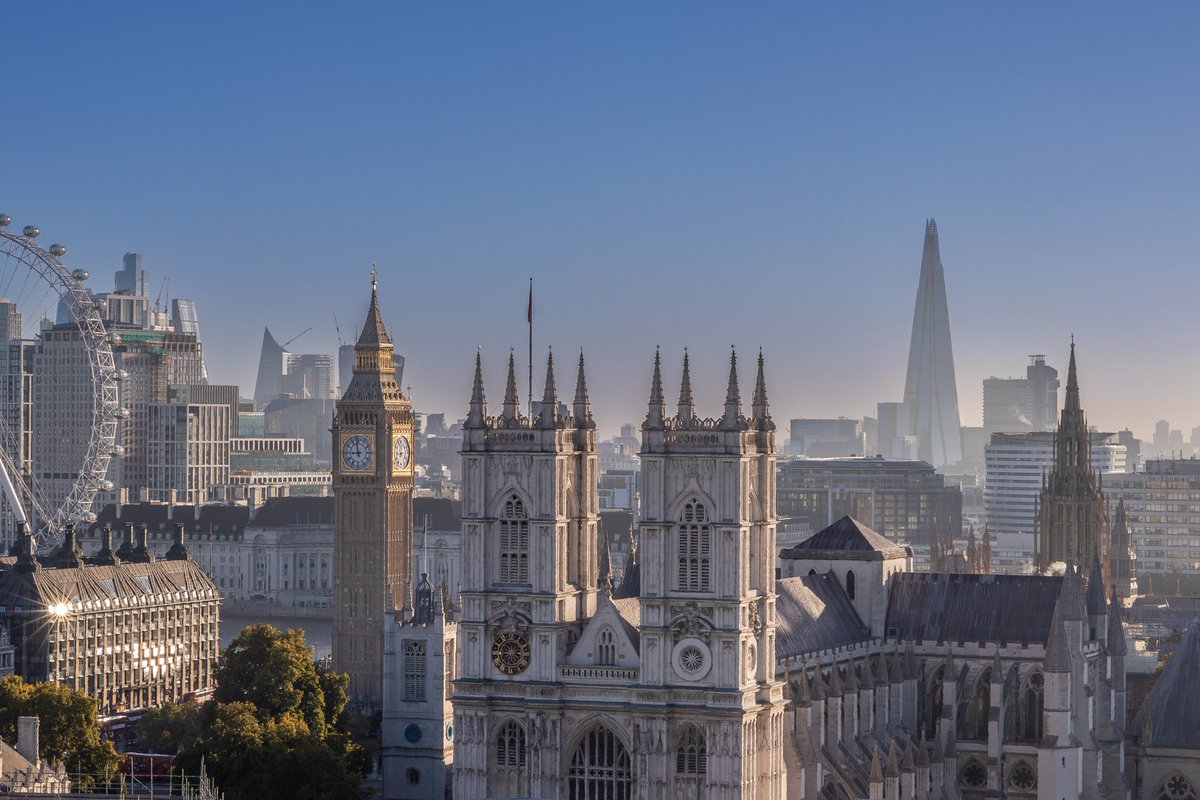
[[372, 486]]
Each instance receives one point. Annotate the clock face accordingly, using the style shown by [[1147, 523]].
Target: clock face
[[401, 452], [357, 452], [510, 653], [413, 732]]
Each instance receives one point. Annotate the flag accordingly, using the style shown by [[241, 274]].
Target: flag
[[530, 311]]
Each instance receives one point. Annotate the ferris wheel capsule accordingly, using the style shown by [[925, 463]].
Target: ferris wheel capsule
[[116, 450], [121, 412], [58, 250], [114, 338], [5, 220], [31, 231], [80, 274]]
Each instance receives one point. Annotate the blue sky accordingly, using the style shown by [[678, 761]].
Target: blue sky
[[675, 173]]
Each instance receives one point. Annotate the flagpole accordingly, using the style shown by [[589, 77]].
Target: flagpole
[[531, 349]]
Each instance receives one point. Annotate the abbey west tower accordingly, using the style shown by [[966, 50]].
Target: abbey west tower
[[664, 687], [372, 486]]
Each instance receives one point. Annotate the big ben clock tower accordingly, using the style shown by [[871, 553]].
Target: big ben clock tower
[[372, 487]]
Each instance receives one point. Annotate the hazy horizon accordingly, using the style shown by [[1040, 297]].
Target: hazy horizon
[[680, 174]]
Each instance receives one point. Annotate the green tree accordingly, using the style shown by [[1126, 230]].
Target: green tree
[[274, 671], [69, 725], [169, 728], [277, 726]]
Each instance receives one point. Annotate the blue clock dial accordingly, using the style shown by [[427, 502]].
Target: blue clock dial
[[356, 452]]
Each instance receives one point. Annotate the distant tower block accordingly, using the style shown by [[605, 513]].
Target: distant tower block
[[930, 390]]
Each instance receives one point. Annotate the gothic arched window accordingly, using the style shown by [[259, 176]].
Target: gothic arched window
[[691, 758], [514, 542], [850, 580], [600, 767], [982, 703], [606, 647], [1031, 709], [1176, 787], [695, 549], [510, 746], [933, 712], [414, 671]]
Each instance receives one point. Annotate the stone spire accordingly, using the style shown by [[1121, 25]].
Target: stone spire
[[802, 695], [582, 408], [1097, 603], [657, 411], [512, 401], [1057, 658], [930, 390], [374, 375], [760, 410], [549, 415], [732, 418], [478, 410], [892, 770], [687, 403], [876, 777], [1116, 631], [373, 331]]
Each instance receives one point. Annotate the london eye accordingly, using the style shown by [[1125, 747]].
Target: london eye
[[39, 293]]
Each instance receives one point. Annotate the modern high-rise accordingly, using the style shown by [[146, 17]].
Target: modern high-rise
[[1073, 518], [1015, 405], [131, 278], [270, 371], [309, 376], [372, 439], [1161, 504], [930, 391], [185, 320], [187, 450]]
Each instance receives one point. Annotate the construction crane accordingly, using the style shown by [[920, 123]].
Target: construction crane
[[294, 338]]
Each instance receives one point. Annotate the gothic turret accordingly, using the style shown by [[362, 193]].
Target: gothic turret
[[548, 418], [511, 411], [732, 418], [478, 408], [759, 409], [657, 411], [581, 408], [686, 408]]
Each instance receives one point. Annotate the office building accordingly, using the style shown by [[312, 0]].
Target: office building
[[127, 628], [308, 376], [1162, 506], [188, 450], [131, 278], [270, 371], [826, 438], [893, 439], [1016, 405], [184, 319], [930, 391], [907, 501]]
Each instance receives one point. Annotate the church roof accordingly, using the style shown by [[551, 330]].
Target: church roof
[[847, 538], [1173, 706], [942, 607], [813, 613]]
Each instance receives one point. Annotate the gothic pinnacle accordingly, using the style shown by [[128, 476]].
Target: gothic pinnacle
[[732, 418], [550, 396], [687, 404], [512, 401], [657, 408], [759, 407], [478, 403], [582, 408]]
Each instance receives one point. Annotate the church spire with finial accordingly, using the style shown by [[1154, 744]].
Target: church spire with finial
[[512, 401], [373, 332], [760, 410], [687, 403], [656, 411], [582, 409], [549, 414], [732, 418], [478, 411]]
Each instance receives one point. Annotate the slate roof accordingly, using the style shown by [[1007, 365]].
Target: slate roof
[[99, 583], [155, 517], [444, 514], [1173, 706], [847, 538], [941, 607], [281, 512], [813, 613]]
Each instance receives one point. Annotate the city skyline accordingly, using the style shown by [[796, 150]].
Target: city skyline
[[755, 178]]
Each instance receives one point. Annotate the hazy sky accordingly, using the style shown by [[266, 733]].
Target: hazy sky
[[689, 173]]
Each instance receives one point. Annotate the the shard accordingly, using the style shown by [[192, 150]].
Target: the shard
[[930, 391]]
